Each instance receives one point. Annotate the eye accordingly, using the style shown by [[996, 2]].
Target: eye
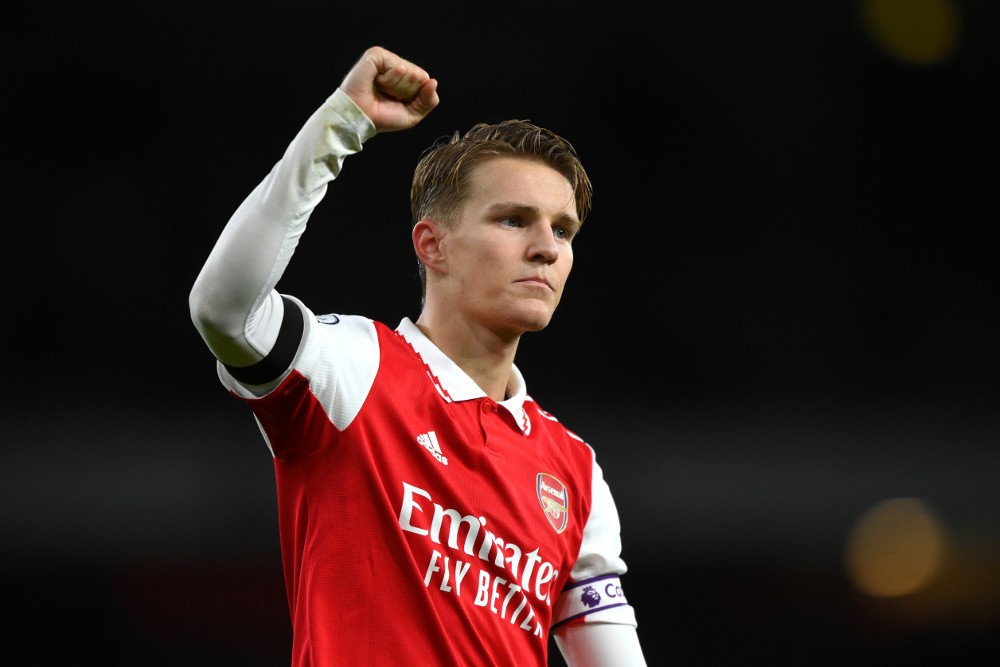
[[510, 221], [564, 233]]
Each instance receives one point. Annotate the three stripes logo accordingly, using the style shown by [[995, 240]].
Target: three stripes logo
[[429, 442]]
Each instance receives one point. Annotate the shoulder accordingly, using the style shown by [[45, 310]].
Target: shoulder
[[551, 423], [341, 327], [337, 339]]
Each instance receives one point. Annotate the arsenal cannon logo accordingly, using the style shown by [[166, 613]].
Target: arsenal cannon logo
[[554, 498]]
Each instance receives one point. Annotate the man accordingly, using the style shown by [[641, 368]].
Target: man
[[430, 511]]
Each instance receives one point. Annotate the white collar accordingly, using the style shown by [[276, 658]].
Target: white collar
[[454, 384]]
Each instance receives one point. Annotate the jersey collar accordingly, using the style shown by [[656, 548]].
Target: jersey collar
[[454, 384]]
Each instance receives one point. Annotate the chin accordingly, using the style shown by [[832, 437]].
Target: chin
[[528, 319], [536, 323]]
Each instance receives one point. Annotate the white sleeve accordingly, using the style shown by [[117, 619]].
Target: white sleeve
[[594, 593], [233, 302], [600, 645]]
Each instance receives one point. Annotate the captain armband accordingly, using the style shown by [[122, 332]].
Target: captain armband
[[586, 597]]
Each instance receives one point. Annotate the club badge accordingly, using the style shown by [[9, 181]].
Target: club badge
[[554, 499]]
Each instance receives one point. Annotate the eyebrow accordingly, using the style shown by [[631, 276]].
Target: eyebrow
[[517, 207]]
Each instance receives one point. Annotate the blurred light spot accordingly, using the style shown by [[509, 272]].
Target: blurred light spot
[[920, 32], [894, 548]]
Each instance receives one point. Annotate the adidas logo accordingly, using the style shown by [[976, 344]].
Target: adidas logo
[[429, 441]]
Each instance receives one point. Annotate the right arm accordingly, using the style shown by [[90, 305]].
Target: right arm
[[233, 303]]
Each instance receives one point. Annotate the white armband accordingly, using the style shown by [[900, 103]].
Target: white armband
[[600, 599]]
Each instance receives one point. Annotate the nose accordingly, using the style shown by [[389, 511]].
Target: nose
[[543, 245]]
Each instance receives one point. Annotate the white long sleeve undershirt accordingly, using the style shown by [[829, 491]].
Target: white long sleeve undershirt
[[237, 310], [233, 302]]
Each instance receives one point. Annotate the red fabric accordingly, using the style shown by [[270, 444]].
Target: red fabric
[[366, 517]]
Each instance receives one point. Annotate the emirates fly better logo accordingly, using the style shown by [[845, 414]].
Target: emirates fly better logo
[[554, 498]]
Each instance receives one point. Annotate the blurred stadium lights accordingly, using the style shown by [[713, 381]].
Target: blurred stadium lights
[[918, 32], [917, 572], [895, 548]]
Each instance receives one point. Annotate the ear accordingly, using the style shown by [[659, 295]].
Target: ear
[[428, 237]]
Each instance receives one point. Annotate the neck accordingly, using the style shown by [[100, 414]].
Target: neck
[[485, 357]]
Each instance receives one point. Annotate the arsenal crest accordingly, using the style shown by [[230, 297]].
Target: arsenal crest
[[554, 499]]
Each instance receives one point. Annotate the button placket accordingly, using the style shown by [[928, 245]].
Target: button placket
[[487, 409]]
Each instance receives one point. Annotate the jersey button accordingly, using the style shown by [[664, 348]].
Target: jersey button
[[488, 407]]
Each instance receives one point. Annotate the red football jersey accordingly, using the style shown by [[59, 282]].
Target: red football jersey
[[422, 522]]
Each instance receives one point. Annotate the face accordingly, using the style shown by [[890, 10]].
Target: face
[[507, 258]]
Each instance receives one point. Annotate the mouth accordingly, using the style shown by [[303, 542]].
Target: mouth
[[536, 281]]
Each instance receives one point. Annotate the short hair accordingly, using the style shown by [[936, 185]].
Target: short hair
[[442, 175]]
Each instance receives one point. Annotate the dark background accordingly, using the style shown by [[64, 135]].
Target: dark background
[[782, 312]]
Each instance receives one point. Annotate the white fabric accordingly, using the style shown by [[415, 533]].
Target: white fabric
[[600, 645], [233, 302]]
